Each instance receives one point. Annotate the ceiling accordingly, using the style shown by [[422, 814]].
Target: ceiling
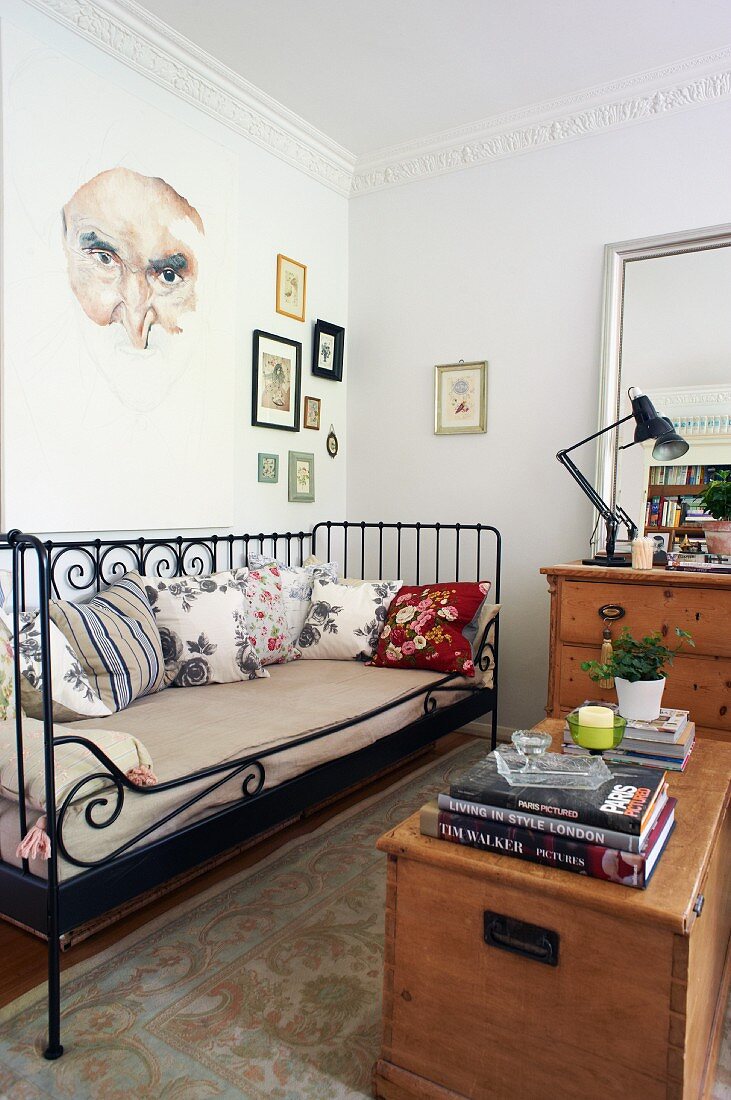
[[376, 73]]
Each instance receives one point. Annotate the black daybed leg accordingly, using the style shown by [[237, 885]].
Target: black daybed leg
[[54, 1049]]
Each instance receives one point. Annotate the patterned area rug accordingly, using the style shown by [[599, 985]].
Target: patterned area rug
[[268, 985]]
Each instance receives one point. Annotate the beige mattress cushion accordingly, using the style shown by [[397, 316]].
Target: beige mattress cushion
[[186, 729]]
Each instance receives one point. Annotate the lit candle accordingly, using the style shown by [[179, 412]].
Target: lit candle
[[596, 727]]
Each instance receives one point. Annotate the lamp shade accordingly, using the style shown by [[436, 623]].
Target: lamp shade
[[670, 445], [650, 425]]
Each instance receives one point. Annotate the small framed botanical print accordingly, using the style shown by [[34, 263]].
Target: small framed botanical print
[[277, 374], [312, 413], [301, 476], [460, 398], [327, 351], [268, 468], [291, 288]]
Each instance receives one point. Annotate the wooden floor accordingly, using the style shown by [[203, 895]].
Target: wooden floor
[[24, 955]]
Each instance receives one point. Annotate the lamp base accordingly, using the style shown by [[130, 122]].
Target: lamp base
[[608, 563]]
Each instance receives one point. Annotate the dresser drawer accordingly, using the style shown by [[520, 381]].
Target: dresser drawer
[[705, 613], [701, 685]]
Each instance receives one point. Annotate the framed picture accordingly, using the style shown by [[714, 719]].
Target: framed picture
[[327, 351], [312, 413], [301, 476], [276, 381], [268, 469], [460, 398], [291, 288], [661, 540]]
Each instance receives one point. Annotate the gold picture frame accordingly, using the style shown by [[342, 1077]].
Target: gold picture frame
[[460, 398], [311, 416], [291, 288]]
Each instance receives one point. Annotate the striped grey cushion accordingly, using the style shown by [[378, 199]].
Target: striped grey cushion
[[116, 640]]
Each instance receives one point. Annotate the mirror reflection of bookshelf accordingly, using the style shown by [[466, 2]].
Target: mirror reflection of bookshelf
[[672, 506]]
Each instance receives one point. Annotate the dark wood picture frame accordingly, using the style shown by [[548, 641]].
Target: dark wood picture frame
[[295, 385], [333, 371]]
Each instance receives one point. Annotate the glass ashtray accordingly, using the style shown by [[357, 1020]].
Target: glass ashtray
[[529, 765]]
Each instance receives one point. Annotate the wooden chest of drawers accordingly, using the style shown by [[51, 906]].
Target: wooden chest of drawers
[[699, 680]]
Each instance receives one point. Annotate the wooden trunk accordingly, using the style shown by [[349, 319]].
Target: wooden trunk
[[700, 677], [634, 1007]]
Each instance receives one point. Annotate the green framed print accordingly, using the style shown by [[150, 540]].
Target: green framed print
[[268, 469], [460, 398], [301, 476]]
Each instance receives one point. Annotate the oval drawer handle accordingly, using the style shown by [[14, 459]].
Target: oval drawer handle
[[529, 940], [611, 612]]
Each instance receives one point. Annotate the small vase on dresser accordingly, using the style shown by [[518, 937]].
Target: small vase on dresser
[[586, 598]]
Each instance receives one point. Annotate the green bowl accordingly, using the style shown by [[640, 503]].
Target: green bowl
[[594, 738]]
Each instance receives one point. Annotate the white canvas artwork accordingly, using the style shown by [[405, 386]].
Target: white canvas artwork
[[119, 306]]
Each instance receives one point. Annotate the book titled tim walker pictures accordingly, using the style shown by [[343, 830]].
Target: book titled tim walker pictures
[[616, 833]]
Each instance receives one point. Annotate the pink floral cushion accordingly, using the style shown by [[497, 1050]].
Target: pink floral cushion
[[270, 634], [425, 627]]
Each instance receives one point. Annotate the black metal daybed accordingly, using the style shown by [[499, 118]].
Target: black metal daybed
[[55, 905]]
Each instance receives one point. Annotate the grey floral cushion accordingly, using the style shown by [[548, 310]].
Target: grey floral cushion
[[74, 696], [345, 621], [205, 629]]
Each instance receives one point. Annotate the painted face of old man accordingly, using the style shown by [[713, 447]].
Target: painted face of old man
[[130, 243]]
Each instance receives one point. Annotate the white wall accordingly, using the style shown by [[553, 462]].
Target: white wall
[[504, 263], [279, 209]]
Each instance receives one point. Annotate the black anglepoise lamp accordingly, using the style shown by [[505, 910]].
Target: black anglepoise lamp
[[668, 445]]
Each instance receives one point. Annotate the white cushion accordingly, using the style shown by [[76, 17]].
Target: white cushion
[[345, 621], [205, 629], [73, 695]]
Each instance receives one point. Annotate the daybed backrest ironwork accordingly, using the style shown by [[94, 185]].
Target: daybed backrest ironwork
[[417, 553]]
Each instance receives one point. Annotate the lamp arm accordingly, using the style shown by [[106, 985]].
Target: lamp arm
[[632, 528], [601, 506], [602, 431], [611, 517]]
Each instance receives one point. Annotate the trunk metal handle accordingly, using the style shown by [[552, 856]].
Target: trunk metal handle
[[529, 940]]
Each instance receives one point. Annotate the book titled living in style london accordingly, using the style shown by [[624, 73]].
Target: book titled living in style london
[[580, 857]]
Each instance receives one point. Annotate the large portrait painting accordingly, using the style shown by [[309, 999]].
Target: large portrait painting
[[119, 305]]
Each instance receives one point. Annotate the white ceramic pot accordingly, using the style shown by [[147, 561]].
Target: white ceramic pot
[[718, 535], [642, 700]]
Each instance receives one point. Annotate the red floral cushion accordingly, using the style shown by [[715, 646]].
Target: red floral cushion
[[425, 627]]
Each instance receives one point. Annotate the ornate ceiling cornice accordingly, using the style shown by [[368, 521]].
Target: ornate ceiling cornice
[[705, 79], [132, 35], [686, 396]]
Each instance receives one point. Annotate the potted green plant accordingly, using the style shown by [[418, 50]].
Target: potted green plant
[[637, 667], [716, 501]]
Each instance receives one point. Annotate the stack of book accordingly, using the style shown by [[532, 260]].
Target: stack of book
[[616, 832], [665, 743]]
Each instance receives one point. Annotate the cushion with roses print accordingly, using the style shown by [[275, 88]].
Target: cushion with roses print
[[430, 626], [270, 634], [344, 623], [296, 581], [205, 629]]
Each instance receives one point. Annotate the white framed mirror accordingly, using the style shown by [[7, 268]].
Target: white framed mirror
[[666, 330]]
